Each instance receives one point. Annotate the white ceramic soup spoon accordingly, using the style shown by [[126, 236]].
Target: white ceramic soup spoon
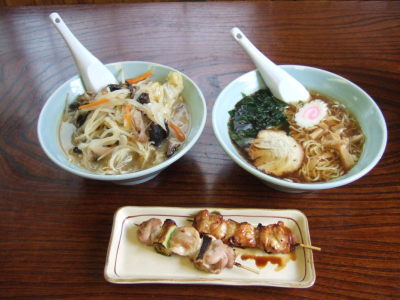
[[94, 74], [282, 84]]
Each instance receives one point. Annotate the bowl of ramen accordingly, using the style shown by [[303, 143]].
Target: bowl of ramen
[[126, 133], [331, 140]]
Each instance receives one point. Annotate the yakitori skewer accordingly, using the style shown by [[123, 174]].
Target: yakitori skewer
[[206, 252], [272, 238]]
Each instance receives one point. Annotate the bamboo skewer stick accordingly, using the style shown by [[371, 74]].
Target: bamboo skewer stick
[[310, 247], [246, 268]]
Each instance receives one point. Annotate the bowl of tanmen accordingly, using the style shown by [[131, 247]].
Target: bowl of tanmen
[[126, 133], [333, 139]]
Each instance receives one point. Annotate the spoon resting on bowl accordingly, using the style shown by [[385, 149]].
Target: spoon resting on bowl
[[94, 74], [282, 85]]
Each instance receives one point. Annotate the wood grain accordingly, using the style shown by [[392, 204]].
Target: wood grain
[[68, 2], [55, 226]]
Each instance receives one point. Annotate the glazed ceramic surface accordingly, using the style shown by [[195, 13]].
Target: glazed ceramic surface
[[358, 102], [52, 111], [129, 261]]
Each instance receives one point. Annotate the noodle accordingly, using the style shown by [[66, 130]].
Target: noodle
[[127, 131], [322, 161], [313, 141]]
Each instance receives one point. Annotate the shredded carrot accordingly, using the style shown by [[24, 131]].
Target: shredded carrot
[[128, 109], [129, 121], [128, 117], [180, 135], [139, 78], [98, 102]]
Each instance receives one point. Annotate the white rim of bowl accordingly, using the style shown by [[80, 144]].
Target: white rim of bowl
[[293, 185], [133, 175]]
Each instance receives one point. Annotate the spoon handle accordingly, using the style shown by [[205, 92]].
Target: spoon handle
[[281, 83], [94, 74]]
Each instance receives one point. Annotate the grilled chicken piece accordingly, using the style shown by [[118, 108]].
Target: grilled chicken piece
[[231, 227], [219, 256], [185, 241], [276, 153], [149, 230], [219, 229], [245, 236], [214, 256], [275, 238], [204, 219], [214, 224], [206, 252]]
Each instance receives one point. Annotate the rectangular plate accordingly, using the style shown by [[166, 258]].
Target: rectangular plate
[[129, 261]]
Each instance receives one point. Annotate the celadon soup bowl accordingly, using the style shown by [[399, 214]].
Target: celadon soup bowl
[[52, 111], [358, 102]]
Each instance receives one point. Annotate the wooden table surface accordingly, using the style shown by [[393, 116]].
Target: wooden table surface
[[55, 226]]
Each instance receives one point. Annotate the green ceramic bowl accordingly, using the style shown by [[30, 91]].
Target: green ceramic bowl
[[353, 97], [51, 113]]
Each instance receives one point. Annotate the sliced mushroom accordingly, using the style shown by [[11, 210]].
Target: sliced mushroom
[[74, 106], [81, 119], [144, 98], [173, 146], [276, 153], [158, 134], [115, 87]]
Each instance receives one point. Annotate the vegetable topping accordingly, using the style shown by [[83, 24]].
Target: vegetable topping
[[95, 103], [254, 113], [139, 78]]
